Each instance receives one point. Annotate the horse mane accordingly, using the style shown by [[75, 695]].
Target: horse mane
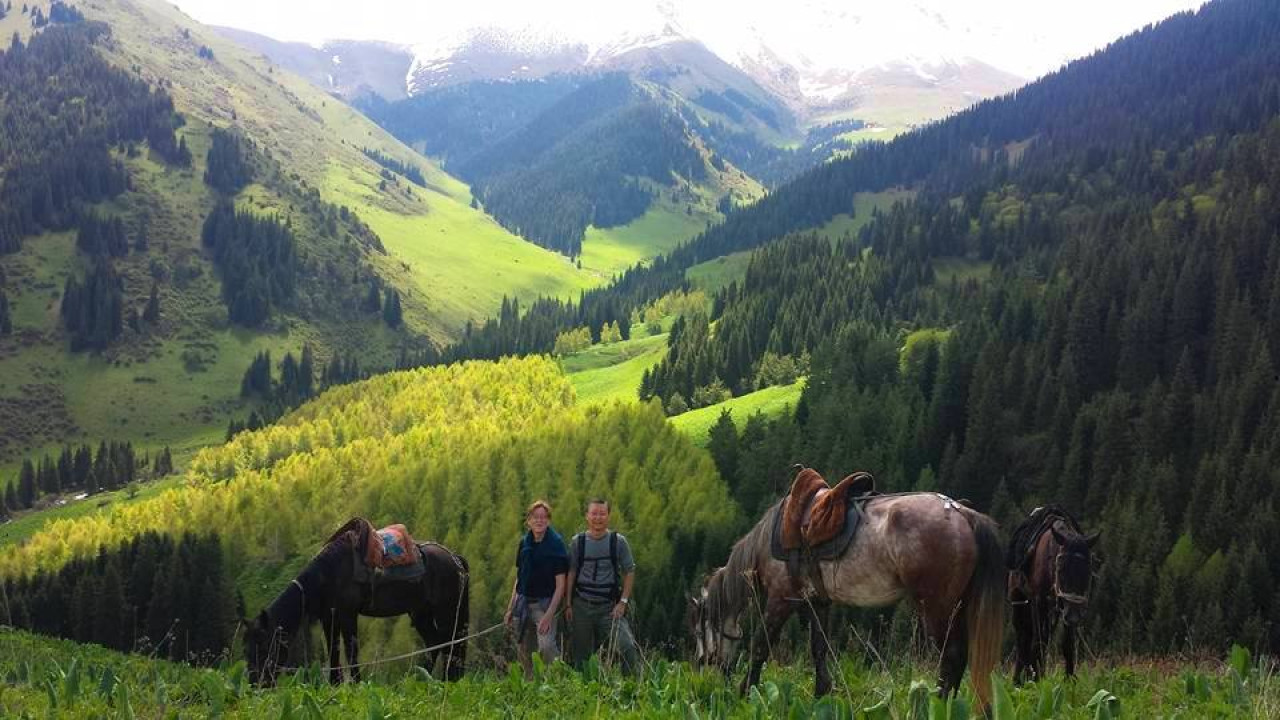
[[302, 595], [733, 586]]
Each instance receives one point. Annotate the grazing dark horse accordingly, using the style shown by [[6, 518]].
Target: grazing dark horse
[[944, 556], [1051, 566], [328, 591]]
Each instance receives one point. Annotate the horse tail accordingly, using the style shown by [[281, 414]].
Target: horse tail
[[984, 606]]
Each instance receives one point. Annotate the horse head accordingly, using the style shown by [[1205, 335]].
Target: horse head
[[264, 644], [716, 634], [1072, 574]]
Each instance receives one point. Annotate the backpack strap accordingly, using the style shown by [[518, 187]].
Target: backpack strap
[[582, 551], [613, 558]]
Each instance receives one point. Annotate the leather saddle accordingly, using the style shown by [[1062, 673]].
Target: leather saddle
[[814, 512]]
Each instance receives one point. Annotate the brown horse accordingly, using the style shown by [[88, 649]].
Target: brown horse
[[925, 546], [328, 591], [1051, 567]]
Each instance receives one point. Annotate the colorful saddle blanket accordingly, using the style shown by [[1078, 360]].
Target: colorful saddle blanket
[[390, 547]]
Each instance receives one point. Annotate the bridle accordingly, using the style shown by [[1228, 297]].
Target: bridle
[[1078, 599], [704, 619]]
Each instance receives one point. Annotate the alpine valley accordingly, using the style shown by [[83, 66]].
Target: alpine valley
[[252, 287]]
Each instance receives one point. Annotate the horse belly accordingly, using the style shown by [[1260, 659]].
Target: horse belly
[[850, 585], [388, 599]]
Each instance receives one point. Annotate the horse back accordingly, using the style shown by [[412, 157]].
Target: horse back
[[919, 544]]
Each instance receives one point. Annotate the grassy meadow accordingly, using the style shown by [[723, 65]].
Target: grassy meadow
[[696, 424], [40, 677]]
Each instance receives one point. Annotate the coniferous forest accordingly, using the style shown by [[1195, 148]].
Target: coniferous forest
[[257, 258], [595, 154], [56, 159]]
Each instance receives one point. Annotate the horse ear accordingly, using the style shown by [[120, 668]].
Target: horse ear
[[1058, 536], [1092, 540]]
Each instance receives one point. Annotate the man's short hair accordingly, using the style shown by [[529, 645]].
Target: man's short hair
[[598, 501]]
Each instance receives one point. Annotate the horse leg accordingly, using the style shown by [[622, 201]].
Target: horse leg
[[351, 638], [819, 615], [1043, 636], [776, 611], [423, 624], [949, 631], [1069, 649], [1023, 630], [331, 639]]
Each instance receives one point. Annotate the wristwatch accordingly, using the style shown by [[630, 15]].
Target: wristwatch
[[625, 601]]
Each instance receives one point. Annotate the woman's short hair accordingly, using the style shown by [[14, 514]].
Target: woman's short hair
[[538, 504]]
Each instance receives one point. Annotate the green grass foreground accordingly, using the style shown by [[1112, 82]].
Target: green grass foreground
[[42, 678]]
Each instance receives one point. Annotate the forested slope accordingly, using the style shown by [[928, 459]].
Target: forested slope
[[456, 454]]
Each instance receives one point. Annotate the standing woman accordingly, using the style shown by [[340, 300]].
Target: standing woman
[[542, 567]]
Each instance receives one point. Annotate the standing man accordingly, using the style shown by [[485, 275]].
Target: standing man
[[601, 577]]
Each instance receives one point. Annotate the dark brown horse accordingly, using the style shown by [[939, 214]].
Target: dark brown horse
[[943, 556], [328, 591], [1051, 568]]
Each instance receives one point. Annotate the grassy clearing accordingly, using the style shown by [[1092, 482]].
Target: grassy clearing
[[714, 275], [605, 373], [958, 269], [608, 251], [769, 402], [54, 678], [878, 133], [675, 216], [864, 204]]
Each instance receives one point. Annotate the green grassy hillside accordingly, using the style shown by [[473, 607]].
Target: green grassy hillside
[[769, 402], [177, 384], [604, 373]]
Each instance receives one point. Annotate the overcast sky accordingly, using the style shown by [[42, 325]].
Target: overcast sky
[[1027, 37]]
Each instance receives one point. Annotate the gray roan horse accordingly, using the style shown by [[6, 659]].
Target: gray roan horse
[[327, 591], [924, 546]]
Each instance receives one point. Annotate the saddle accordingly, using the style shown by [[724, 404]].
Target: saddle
[[814, 512], [389, 553], [814, 523]]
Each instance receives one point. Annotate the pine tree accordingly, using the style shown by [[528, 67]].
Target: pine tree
[[160, 617], [152, 314], [391, 312], [6, 325], [723, 444], [111, 612], [27, 485], [306, 373]]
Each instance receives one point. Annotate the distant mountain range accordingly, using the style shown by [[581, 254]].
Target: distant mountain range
[[825, 66]]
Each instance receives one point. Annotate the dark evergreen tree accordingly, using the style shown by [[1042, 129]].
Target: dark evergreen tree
[[6, 324], [392, 314], [228, 165], [27, 488], [257, 259], [151, 315], [93, 310]]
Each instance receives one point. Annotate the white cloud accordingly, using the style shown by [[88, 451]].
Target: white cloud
[[1028, 37]]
